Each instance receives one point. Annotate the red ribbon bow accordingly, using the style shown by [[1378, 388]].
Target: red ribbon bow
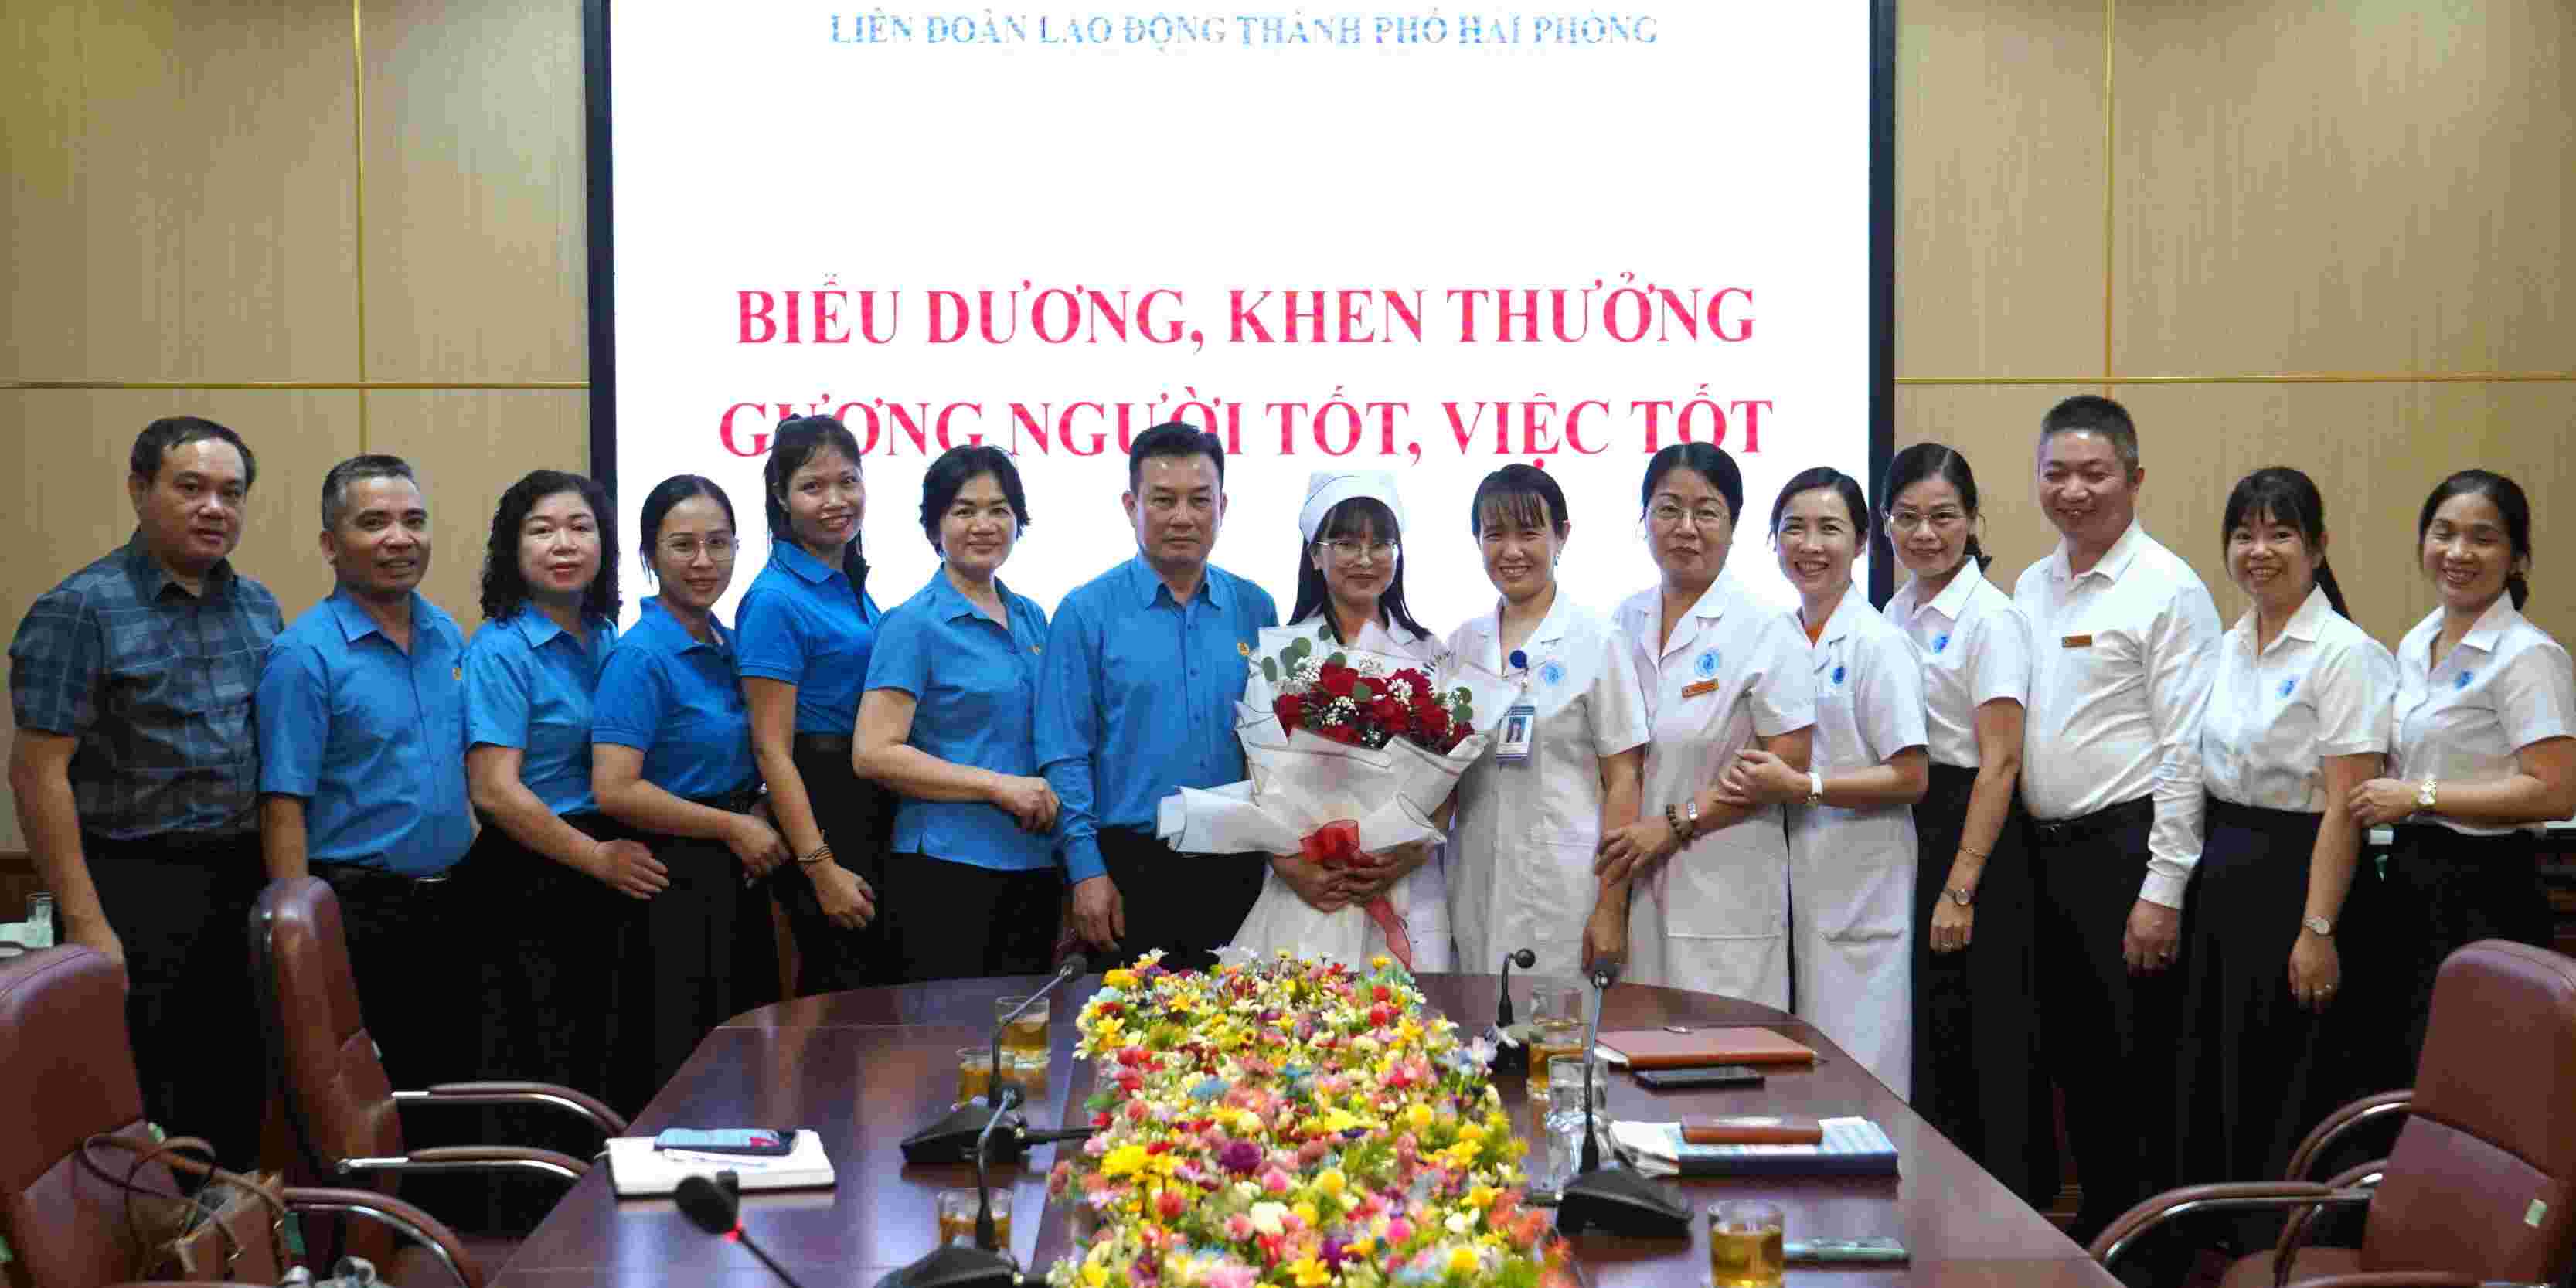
[[1337, 845]]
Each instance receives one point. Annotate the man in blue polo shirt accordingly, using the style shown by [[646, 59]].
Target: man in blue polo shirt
[[1142, 669], [361, 714]]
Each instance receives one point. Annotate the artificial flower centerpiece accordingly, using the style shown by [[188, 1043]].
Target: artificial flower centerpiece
[[1351, 753], [1292, 1122]]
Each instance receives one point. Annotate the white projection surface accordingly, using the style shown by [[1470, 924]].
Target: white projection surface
[[1432, 242]]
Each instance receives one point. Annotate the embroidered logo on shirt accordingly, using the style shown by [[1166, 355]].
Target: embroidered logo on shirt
[[2463, 681], [2289, 684], [1941, 642], [1838, 672], [1706, 666], [1552, 673]]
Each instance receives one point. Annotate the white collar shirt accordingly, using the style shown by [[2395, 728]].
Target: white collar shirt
[[2322, 689], [2120, 675], [1976, 649], [2505, 686], [1869, 688]]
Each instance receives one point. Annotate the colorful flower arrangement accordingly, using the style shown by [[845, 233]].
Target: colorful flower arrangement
[[1292, 1122], [1364, 703]]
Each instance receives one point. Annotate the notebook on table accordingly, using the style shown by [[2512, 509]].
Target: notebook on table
[[1850, 1147], [1698, 1048], [636, 1168]]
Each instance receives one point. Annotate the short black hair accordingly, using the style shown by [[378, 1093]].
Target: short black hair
[[959, 466], [1707, 460], [1174, 438], [335, 485], [1825, 477], [1933, 460], [2094, 414], [505, 588], [159, 437], [1519, 492], [670, 492], [2509, 502]]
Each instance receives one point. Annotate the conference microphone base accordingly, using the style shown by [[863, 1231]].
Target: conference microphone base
[[952, 1139], [955, 1267], [1617, 1200]]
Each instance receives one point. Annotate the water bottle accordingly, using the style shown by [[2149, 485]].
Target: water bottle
[[40, 920]]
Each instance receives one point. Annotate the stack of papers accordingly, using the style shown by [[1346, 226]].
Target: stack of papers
[[1852, 1147], [636, 1168]]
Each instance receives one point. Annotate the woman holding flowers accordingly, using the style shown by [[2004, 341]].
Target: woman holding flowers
[[1350, 595], [1723, 672], [1532, 809]]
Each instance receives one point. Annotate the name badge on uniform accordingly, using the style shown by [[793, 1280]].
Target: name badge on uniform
[[2076, 641], [1699, 690], [1519, 729]]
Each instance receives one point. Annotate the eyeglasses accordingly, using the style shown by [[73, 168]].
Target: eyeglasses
[[1670, 516], [1941, 520], [1349, 549], [687, 548]]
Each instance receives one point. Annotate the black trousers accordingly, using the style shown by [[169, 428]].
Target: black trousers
[[2446, 891], [400, 935], [2255, 1069], [181, 906], [958, 921], [1188, 905], [1977, 1072], [856, 817], [693, 956], [2107, 1036]]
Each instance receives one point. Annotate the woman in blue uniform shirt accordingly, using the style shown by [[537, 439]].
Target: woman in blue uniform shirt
[[806, 629], [948, 722], [554, 876], [670, 757]]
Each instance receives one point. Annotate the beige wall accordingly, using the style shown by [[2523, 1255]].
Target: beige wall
[[2328, 235]]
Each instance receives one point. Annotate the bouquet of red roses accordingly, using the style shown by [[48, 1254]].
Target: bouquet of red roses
[[1350, 754], [1335, 699]]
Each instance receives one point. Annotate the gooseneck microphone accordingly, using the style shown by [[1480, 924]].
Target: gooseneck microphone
[[959, 1135], [987, 1264], [1503, 1009], [1614, 1199], [1510, 1055], [717, 1211], [1077, 964]]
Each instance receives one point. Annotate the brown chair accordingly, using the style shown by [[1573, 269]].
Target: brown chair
[[2481, 1185], [333, 1117], [68, 1064]]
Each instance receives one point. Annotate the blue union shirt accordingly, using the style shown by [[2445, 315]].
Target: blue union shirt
[[372, 738], [674, 697], [528, 684], [974, 685], [803, 623], [1136, 698]]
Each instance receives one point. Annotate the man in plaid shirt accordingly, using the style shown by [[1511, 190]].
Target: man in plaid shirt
[[135, 771]]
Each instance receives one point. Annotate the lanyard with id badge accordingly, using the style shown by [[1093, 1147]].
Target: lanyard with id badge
[[1519, 730]]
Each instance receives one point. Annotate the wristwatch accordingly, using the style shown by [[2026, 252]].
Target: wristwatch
[[1960, 895], [1815, 788], [2319, 926], [2424, 794]]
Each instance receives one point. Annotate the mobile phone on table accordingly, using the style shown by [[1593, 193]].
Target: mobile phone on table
[[1715, 1075], [750, 1142]]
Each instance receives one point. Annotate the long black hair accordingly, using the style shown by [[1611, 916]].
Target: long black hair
[[1364, 518], [505, 588], [795, 443], [1933, 460], [2290, 498], [2509, 501]]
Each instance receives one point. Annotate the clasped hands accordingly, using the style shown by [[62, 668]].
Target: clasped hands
[[1331, 889], [1754, 778]]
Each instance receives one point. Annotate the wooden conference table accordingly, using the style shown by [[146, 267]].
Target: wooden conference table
[[865, 1068]]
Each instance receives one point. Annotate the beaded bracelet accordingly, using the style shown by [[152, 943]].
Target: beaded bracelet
[[821, 854]]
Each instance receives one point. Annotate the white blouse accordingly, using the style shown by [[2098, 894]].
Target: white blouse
[[2505, 686], [2322, 689], [1975, 647]]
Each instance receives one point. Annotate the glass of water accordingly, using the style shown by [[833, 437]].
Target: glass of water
[[1568, 1117]]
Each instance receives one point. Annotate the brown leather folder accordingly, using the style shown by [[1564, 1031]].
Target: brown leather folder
[[1663, 1049], [1752, 1131]]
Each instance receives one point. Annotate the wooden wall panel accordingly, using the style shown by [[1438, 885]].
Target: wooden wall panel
[[470, 445], [476, 251], [70, 447], [179, 202], [2345, 187], [1999, 188]]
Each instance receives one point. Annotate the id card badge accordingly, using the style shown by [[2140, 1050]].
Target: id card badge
[[1519, 730]]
